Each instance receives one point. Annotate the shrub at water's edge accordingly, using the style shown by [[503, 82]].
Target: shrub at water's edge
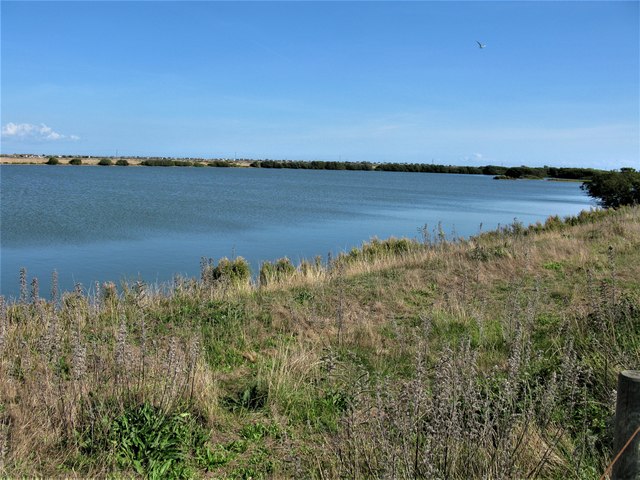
[[275, 272], [75, 161], [220, 163], [235, 272], [494, 356], [166, 163], [376, 249], [53, 161], [614, 189], [105, 162], [122, 163]]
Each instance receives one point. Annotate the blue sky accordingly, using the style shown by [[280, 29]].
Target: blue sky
[[557, 84]]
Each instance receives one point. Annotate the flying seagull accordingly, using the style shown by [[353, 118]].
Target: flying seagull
[[480, 45]]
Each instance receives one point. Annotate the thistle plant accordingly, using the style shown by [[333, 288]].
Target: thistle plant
[[79, 359], [50, 343], [121, 345], [5, 429], [35, 291], [140, 290], [54, 287], [3, 324], [23, 285]]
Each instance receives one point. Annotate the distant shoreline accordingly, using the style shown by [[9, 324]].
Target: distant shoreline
[[574, 174], [93, 161]]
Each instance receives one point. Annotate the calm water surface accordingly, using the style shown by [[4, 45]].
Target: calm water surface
[[114, 223]]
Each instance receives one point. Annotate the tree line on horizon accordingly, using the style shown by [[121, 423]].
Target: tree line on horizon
[[523, 171], [568, 173]]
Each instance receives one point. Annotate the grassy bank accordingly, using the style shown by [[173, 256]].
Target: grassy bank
[[493, 357]]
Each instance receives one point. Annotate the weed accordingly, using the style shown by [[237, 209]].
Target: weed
[[555, 266], [249, 397], [155, 443]]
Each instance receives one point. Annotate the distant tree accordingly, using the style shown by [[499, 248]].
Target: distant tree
[[493, 170], [514, 172], [122, 163], [75, 161], [220, 163], [158, 163], [614, 189], [525, 172], [105, 162], [53, 161], [571, 173]]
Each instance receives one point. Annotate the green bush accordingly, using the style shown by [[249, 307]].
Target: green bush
[[122, 163], [276, 272], [105, 162], [525, 172], [236, 271], [166, 163], [614, 189], [380, 248], [53, 161], [220, 163], [75, 161]]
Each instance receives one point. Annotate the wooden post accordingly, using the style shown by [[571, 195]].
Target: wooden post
[[627, 422]]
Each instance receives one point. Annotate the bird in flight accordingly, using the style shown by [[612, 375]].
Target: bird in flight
[[480, 45]]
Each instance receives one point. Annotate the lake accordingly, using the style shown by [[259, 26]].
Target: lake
[[114, 223]]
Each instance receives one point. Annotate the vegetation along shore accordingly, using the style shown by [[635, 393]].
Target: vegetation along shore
[[497, 171], [490, 357]]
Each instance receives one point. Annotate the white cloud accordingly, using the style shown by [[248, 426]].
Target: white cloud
[[39, 133]]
